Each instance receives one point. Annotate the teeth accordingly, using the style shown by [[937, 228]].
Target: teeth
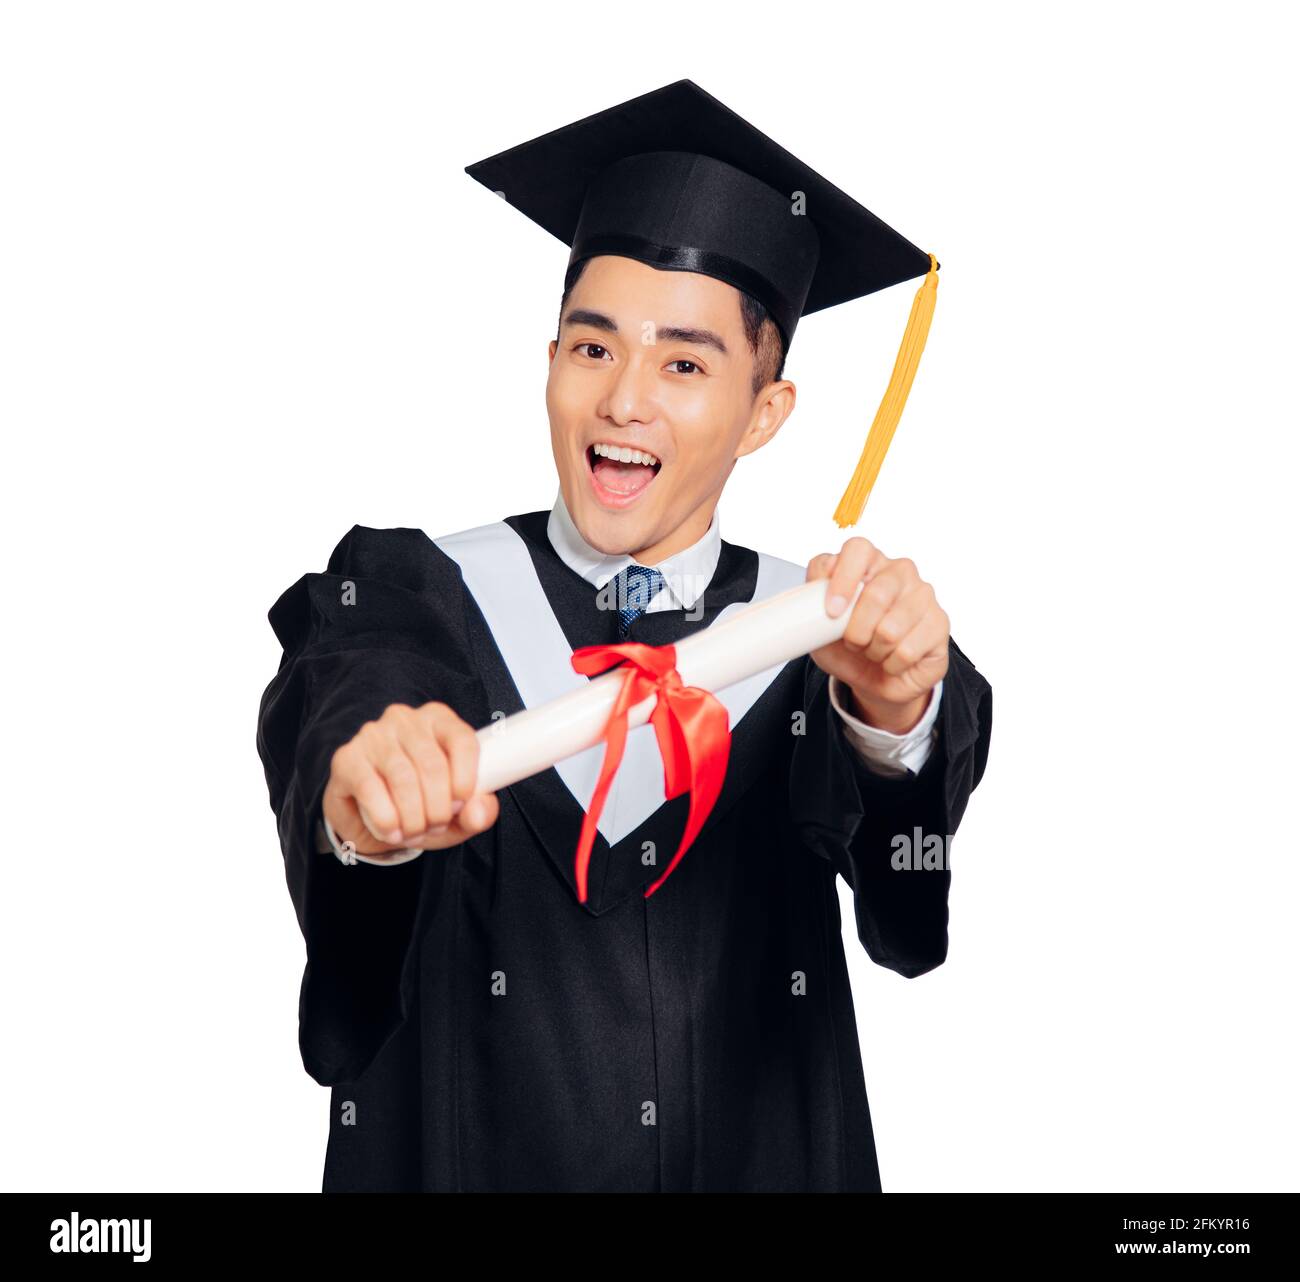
[[624, 454]]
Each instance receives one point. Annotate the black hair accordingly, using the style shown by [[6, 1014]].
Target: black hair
[[765, 340]]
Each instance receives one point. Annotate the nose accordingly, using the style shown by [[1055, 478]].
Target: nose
[[629, 396]]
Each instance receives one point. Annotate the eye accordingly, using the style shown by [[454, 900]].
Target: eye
[[693, 366], [594, 350]]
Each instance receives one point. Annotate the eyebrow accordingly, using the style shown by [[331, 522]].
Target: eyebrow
[[668, 333]]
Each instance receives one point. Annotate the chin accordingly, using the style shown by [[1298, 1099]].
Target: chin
[[613, 533]]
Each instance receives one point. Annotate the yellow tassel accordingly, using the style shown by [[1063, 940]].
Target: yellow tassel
[[891, 406]]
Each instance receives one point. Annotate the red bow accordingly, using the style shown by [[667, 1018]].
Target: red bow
[[690, 725]]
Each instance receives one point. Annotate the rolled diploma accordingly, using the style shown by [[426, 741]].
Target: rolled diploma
[[762, 635]]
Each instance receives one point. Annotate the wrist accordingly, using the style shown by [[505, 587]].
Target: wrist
[[893, 718]]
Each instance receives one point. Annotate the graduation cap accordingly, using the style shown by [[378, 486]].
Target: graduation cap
[[677, 180]]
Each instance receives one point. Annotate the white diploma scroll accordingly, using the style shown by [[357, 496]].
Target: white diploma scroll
[[769, 632], [762, 635]]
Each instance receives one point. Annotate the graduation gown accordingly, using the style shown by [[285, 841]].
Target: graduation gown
[[479, 1028]]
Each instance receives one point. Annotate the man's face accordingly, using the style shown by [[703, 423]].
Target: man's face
[[655, 361]]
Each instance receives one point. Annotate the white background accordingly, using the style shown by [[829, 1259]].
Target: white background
[[249, 298]]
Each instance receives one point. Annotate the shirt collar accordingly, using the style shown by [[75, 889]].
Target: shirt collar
[[686, 573]]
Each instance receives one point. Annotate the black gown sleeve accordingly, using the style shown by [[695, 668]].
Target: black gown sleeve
[[849, 815], [384, 624]]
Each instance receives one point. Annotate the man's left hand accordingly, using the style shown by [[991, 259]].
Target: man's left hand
[[894, 650]]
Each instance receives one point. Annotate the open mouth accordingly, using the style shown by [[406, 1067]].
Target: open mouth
[[620, 474]]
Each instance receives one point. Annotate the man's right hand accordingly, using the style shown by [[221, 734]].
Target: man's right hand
[[407, 780]]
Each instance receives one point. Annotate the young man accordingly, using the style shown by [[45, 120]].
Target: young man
[[483, 1025]]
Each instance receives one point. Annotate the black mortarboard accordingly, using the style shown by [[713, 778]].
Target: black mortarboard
[[677, 180]]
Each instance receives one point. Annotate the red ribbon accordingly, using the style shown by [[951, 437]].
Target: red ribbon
[[690, 725]]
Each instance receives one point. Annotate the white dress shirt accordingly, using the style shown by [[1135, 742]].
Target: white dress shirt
[[686, 576]]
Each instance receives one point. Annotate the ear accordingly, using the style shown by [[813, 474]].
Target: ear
[[551, 350], [772, 406]]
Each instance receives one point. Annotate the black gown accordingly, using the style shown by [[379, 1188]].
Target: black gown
[[482, 1030]]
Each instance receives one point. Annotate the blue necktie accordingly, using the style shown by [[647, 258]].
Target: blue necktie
[[634, 588]]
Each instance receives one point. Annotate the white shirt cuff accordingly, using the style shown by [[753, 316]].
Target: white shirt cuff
[[885, 753], [350, 856]]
